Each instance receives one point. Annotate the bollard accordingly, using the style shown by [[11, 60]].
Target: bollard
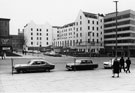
[[12, 65], [74, 64]]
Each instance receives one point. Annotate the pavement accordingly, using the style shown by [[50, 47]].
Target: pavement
[[67, 81], [97, 81]]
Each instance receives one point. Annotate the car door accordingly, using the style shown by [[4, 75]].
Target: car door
[[82, 64], [43, 65], [34, 66]]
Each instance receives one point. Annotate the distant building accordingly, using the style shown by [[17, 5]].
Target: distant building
[[18, 41], [5, 39], [86, 33], [125, 33], [36, 36]]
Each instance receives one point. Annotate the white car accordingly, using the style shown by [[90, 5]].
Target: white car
[[108, 64]]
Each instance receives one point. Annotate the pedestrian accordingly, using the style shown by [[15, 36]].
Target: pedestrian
[[122, 64], [128, 63], [2, 54], [115, 68]]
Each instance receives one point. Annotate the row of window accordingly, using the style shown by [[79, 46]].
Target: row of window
[[39, 34], [39, 29], [118, 35], [119, 17], [120, 23], [120, 41], [39, 43], [39, 38], [120, 29]]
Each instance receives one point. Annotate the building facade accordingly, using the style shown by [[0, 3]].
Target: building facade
[[125, 33], [36, 36], [86, 33], [5, 39]]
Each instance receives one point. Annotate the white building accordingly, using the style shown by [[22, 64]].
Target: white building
[[38, 35], [85, 34]]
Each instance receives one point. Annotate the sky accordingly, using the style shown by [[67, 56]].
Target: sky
[[55, 12]]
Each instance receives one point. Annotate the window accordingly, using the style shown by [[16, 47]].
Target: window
[[80, 40], [40, 38], [101, 27], [37, 29], [37, 38], [76, 29], [40, 29], [97, 28], [97, 22], [101, 33], [31, 33], [77, 35], [37, 33], [88, 40], [40, 34], [97, 34], [80, 22], [46, 30], [88, 21], [31, 43], [100, 20], [89, 33], [46, 43], [101, 39], [31, 29], [80, 34], [31, 38], [97, 40], [92, 22], [80, 28], [92, 28], [93, 34], [80, 17], [88, 27], [47, 38], [46, 34], [76, 23]]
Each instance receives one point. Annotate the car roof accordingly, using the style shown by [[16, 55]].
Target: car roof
[[38, 60], [83, 59]]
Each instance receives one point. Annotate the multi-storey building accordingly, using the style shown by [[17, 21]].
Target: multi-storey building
[[37, 35], [125, 32], [85, 34], [5, 39]]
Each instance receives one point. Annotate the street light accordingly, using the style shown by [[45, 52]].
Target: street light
[[116, 27]]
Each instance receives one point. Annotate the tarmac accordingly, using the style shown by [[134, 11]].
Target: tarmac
[[97, 81]]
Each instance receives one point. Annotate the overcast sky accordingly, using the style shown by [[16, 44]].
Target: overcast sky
[[55, 12]]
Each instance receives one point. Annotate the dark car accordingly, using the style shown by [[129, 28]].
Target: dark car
[[81, 64], [34, 65]]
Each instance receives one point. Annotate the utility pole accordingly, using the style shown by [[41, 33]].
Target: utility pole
[[116, 28]]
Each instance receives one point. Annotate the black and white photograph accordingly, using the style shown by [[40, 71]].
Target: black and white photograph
[[67, 46]]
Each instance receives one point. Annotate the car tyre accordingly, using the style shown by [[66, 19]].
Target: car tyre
[[18, 71]]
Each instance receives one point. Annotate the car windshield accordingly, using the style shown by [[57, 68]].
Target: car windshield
[[78, 61]]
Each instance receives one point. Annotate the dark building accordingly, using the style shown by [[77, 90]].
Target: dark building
[[5, 39], [125, 33]]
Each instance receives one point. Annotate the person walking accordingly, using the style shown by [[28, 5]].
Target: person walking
[[128, 63], [122, 66], [116, 68], [2, 54]]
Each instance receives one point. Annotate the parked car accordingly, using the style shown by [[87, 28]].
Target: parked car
[[34, 65], [108, 64], [81, 64], [52, 53]]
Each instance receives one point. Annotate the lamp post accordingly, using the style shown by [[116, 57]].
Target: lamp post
[[116, 28]]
